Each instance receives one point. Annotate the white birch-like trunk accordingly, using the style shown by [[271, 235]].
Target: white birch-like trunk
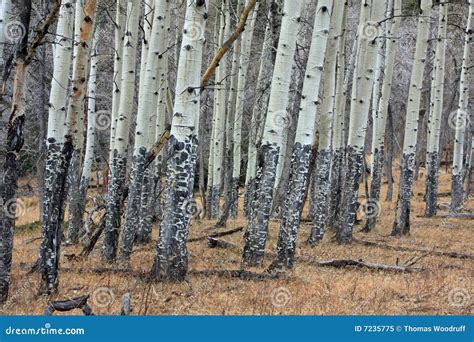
[[52, 225], [305, 132], [118, 54], [245, 51], [368, 34], [322, 181], [435, 115], [261, 104], [462, 116], [380, 116], [145, 131], [5, 16], [171, 261], [402, 214], [267, 161], [118, 168]]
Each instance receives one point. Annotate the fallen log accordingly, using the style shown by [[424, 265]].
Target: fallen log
[[244, 275], [217, 235], [69, 305], [341, 263], [455, 255]]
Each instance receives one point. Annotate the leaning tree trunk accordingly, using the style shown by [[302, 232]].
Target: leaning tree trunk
[[118, 54], [267, 160], [267, 60], [360, 106], [300, 161], [435, 116], [322, 180], [90, 138], [10, 158], [402, 214], [118, 167], [15, 138], [239, 107], [462, 117], [378, 138], [74, 172], [171, 260], [148, 101]]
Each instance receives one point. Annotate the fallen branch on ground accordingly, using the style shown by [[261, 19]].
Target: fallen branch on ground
[[245, 275], [69, 305], [341, 263], [216, 235], [411, 249]]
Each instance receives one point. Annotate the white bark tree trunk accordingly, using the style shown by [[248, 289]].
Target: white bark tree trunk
[[462, 116], [326, 110], [245, 51], [402, 214], [368, 34], [147, 104], [118, 166], [171, 261], [305, 131], [380, 118], [435, 115], [5, 16], [267, 161]]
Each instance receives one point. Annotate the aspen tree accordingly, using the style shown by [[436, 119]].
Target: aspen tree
[[368, 33], [245, 51], [171, 261], [402, 214], [256, 234], [118, 52], [91, 124], [435, 115], [52, 226], [267, 59], [301, 157], [462, 116], [146, 106], [119, 162], [380, 118], [325, 117], [5, 15]]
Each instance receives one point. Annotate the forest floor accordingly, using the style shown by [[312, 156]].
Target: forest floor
[[443, 287]]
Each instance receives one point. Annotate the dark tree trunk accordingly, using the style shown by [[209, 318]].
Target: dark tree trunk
[[431, 197], [401, 225], [375, 187], [389, 157], [76, 207], [336, 184]]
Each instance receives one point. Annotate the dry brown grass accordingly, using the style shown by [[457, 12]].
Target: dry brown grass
[[308, 290]]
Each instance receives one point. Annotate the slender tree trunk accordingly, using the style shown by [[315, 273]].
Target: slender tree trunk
[[435, 116], [360, 106], [5, 17], [171, 261], [323, 160], [239, 107], [390, 136], [267, 160], [402, 216], [267, 60], [146, 106], [90, 139], [299, 176], [462, 117], [380, 118]]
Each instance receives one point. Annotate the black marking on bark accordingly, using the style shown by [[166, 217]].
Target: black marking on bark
[[375, 185], [401, 226], [456, 193], [431, 196]]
